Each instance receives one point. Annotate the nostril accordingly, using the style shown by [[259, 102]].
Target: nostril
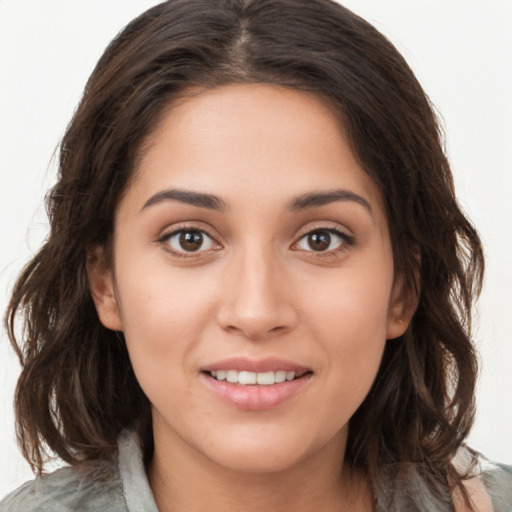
[[254, 318]]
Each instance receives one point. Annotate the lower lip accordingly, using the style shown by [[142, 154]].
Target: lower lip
[[255, 397]]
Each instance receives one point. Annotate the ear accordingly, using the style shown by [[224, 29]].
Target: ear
[[402, 306], [101, 284]]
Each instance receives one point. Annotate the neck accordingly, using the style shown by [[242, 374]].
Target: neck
[[183, 480]]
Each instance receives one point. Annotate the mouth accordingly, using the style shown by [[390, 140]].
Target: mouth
[[256, 385], [248, 378]]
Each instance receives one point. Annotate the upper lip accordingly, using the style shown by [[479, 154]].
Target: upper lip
[[267, 364]]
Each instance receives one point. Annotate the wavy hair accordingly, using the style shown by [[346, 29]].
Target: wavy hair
[[77, 389]]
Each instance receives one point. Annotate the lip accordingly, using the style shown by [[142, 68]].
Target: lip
[[255, 397], [268, 364]]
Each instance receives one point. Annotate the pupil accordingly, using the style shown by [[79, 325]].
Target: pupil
[[191, 240], [319, 241]]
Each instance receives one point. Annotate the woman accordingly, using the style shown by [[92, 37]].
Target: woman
[[256, 291]]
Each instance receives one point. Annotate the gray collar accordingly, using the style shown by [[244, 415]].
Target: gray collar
[[137, 492]]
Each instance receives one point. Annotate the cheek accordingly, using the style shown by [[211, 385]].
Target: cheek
[[163, 313], [352, 305], [163, 319], [349, 316]]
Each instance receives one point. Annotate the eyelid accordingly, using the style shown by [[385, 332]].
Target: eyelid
[[174, 230], [332, 227], [348, 240]]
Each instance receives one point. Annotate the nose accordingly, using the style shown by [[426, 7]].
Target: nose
[[256, 299]]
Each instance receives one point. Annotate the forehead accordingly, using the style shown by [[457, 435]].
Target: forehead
[[253, 140]]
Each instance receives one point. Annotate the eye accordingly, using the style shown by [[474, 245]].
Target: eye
[[189, 241], [323, 240]]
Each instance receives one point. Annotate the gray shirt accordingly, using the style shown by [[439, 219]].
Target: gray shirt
[[123, 487]]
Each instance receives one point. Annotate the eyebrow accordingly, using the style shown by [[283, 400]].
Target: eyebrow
[[302, 202], [315, 199], [199, 199]]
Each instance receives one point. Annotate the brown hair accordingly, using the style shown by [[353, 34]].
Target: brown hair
[[77, 389]]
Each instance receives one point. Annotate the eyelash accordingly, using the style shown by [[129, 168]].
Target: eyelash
[[167, 236], [347, 241]]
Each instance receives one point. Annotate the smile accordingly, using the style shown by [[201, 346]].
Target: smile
[[255, 385], [245, 378]]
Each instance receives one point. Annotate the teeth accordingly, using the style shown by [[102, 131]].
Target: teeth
[[266, 379], [247, 378], [232, 376], [280, 376]]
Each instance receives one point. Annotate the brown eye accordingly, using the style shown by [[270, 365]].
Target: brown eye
[[190, 240], [319, 240], [324, 240]]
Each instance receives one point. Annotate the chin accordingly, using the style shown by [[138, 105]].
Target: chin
[[265, 451], [259, 460]]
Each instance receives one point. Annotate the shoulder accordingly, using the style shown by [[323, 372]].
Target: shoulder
[[497, 480], [68, 490], [489, 487]]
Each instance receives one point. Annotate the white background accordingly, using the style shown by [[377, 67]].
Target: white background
[[461, 51]]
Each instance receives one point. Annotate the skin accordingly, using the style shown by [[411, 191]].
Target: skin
[[255, 288]]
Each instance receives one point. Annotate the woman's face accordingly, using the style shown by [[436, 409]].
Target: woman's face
[[251, 248]]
